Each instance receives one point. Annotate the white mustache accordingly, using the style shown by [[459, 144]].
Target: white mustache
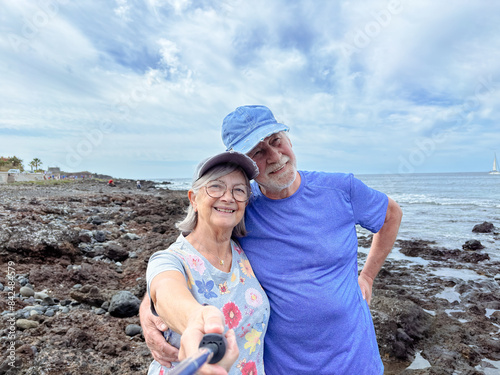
[[274, 167]]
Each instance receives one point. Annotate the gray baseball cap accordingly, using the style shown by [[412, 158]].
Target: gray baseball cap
[[234, 157]]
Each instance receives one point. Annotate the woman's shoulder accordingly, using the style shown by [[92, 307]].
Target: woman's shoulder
[[178, 249]]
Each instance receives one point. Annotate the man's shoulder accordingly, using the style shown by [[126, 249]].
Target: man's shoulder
[[327, 179]]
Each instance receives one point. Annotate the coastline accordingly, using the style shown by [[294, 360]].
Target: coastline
[[78, 244]]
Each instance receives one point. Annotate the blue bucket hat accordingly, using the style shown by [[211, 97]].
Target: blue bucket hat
[[248, 125]]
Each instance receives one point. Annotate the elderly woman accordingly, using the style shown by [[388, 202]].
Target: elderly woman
[[206, 270]]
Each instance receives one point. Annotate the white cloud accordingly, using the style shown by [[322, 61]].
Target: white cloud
[[159, 76]]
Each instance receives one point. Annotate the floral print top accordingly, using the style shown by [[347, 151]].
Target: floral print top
[[238, 294]]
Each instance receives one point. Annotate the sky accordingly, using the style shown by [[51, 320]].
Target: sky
[[139, 89]]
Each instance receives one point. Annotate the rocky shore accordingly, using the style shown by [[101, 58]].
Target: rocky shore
[[75, 255]]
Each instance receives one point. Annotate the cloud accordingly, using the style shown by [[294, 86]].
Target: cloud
[[362, 84]]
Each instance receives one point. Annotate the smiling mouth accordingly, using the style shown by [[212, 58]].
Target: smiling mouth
[[278, 169], [224, 210]]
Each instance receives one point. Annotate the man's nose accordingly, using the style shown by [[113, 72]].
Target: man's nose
[[274, 155]]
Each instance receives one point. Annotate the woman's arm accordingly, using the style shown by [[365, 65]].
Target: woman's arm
[[173, 301], [175, 304]]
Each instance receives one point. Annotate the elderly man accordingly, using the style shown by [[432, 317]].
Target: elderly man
[[302, 245]]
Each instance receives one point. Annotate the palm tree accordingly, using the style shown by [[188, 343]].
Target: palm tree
[[35, 163]]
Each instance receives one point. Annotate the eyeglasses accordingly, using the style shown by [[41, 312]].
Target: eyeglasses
[[217, 189]]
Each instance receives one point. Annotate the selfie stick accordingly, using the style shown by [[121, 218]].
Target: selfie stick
[[212, 349]]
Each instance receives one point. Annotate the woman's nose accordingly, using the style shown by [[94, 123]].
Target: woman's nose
[[228, 195]]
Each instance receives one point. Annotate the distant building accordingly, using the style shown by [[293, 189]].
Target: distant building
[[53, 170]]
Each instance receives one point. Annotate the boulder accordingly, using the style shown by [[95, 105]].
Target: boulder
[[124, 304], [115, 252], [399, 324], [485, 227], [472, 245]]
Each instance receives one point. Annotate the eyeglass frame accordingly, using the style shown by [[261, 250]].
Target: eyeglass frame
[[232, 190]]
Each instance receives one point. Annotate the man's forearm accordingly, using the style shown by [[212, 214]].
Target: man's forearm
[[383, 241]]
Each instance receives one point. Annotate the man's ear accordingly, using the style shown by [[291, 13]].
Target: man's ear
[[192, 200]]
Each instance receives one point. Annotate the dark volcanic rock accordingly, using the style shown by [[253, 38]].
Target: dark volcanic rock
[[115, 252], [399, 324], [472, 245], [485, 227], [422, 249], [124, 304], [90, 295]]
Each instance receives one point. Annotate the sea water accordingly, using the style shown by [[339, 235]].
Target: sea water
[[444, 207], [440, 207]]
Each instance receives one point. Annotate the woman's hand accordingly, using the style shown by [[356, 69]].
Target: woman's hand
[[208, 319]]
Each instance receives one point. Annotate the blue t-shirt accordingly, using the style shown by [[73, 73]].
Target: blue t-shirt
[[237, 293], [303, 250]]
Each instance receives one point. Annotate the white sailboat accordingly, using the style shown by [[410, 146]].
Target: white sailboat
[[495, 166]]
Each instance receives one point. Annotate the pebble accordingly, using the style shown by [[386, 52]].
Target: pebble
[[26, 324], [131, 236], [95, 220], [99, 311], [50, 313], [100, 236], [26, 291], [47, 301], [133, 329], [41, 295]]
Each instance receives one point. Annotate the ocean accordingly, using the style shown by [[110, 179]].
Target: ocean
[[440, 207]]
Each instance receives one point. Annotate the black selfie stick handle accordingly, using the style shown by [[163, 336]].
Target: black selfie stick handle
[[216, 343], [212, 349]]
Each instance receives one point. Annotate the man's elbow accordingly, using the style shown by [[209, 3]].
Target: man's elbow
[[394, 213]]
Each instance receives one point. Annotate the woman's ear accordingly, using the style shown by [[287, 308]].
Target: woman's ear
[[192, 200]]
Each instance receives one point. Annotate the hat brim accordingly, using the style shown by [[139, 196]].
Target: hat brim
[[234, 157], [248, 142]]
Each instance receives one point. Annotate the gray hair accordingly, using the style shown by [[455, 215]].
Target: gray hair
[[188, 224]]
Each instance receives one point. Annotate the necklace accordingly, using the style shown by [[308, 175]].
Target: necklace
[[221, 261]]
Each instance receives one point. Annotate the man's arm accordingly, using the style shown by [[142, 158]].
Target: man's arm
[[152, 329], [381, 246]]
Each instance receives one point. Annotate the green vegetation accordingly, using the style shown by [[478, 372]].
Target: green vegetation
[[10, 162], [35, 163], [13, 162], [44, 182]]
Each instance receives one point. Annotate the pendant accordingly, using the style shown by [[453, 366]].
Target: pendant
[[221, 262]]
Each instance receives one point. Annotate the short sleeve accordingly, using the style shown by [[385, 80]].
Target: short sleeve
[[369, 205], [161, 261]]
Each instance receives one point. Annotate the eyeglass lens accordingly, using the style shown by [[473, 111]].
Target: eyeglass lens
[[217, 189]]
